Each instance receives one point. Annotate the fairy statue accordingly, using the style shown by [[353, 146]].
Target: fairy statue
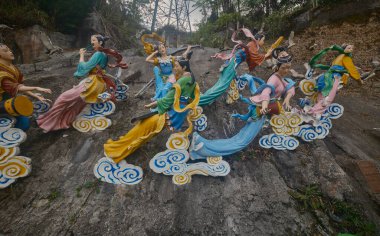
[[172, 111], [96, 90], [15, 111], [241, 52], [314, 120], [163, 70], [322, 90], [263, 103]]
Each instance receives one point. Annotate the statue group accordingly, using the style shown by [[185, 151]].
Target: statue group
[[177, 105]]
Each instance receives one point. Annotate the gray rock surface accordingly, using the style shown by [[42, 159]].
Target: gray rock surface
[[63, 197]]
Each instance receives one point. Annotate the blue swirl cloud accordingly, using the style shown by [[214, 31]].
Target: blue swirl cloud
[[40, 107], [5, 182], [279, 142], [121, 91], [334, 111], [309, 132], [100, 109], [12, 137], [121, 173], [201, 123], [6, 122], [169, 161]]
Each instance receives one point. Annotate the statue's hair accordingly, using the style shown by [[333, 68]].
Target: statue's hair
[[157, 45], [281, 60], [185, 62], [344, 45], [102, 39]]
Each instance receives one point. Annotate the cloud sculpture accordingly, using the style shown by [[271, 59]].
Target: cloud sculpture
[[279, 142], [178, 141], [6, 122], [108, 171], [173, 162], [4, 181], [40, 108], [334, 111], [201, 123], [11, 137], [199, 119], [169, 162], [309, 132], [121, 91], [12, 166], [99, 109], [86, 125], [286, 123], [307, 86]]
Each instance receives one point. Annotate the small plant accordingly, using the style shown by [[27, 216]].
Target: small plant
[[351, 219], [72, 219], [311, 197], [77, 190], [344, 217], [88, 185], [54, 194]]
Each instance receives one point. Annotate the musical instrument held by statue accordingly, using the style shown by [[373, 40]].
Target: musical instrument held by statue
[[17, 106], [273, 107]]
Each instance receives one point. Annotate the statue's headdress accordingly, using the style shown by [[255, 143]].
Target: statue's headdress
[[149, 47]]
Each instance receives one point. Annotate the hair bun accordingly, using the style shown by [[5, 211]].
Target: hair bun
[[281, 60], [277, 51]]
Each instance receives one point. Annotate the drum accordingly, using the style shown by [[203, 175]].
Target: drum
[[274, 107], [17, 106]]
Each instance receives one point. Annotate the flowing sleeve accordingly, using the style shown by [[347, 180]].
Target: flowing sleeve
[[266, 92], [85, 67], [289, 86], [265, 95], [10, 87], [292, 91], [349, 65], [165, 103]]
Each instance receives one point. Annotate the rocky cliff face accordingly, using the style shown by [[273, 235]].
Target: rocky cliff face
[[329, 15], [62, 196], [35, 44]]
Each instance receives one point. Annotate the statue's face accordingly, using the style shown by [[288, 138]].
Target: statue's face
[[162, 49], [6, 53], [283, 54], [94, 42], [178, 70], [349, 48]]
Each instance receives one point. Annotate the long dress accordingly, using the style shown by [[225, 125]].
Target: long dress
[[275, 88], [328, 84], [163, 74], [249, 53], [70, 103], [10, 80], [226, 76], [172, 111]]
